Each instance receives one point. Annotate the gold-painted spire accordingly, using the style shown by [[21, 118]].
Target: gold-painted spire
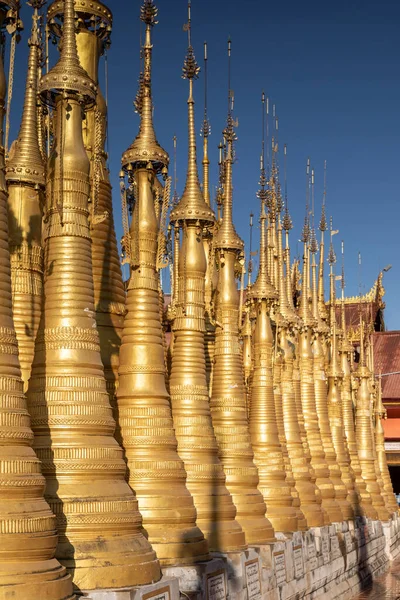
[[211, 273], [331, 261], [190, 396], [362, 364], [231, 426], [323, 226], [226, 236], [25, 176], [325, 411], [322, 327], [380, 409], [305, 312], [265, 435], [205, 132], [145, 147], [26, 163], [290, 421], [219, 199], [168, 511], [262, 288], [93, 37], [175, 197], [346, 348], [287, 225], [285, 309], [250, 262], [79, 435], [334, 367], [192, 205], [345, 344], [68, 75]]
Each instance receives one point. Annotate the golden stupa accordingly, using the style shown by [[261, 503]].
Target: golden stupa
[[162, 428]]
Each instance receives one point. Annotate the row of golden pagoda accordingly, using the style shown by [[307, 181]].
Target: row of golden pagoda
[[250, 422]]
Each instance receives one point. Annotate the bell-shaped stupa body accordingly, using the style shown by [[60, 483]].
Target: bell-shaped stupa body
[[28, 536], [156, 472], [25, 176], [100, 536]]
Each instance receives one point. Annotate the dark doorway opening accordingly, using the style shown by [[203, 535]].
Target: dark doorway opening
[[395, 477]]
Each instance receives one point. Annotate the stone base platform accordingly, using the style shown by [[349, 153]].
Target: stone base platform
[[202, 580], [327, 563], [330, 562], [165, 589]]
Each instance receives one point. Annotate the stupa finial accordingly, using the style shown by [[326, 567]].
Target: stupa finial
[[192, 205]]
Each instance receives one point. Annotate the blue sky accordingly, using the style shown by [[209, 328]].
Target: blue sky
[[333, 73]]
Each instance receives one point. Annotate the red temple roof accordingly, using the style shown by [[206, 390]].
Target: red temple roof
[[387, 360]]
